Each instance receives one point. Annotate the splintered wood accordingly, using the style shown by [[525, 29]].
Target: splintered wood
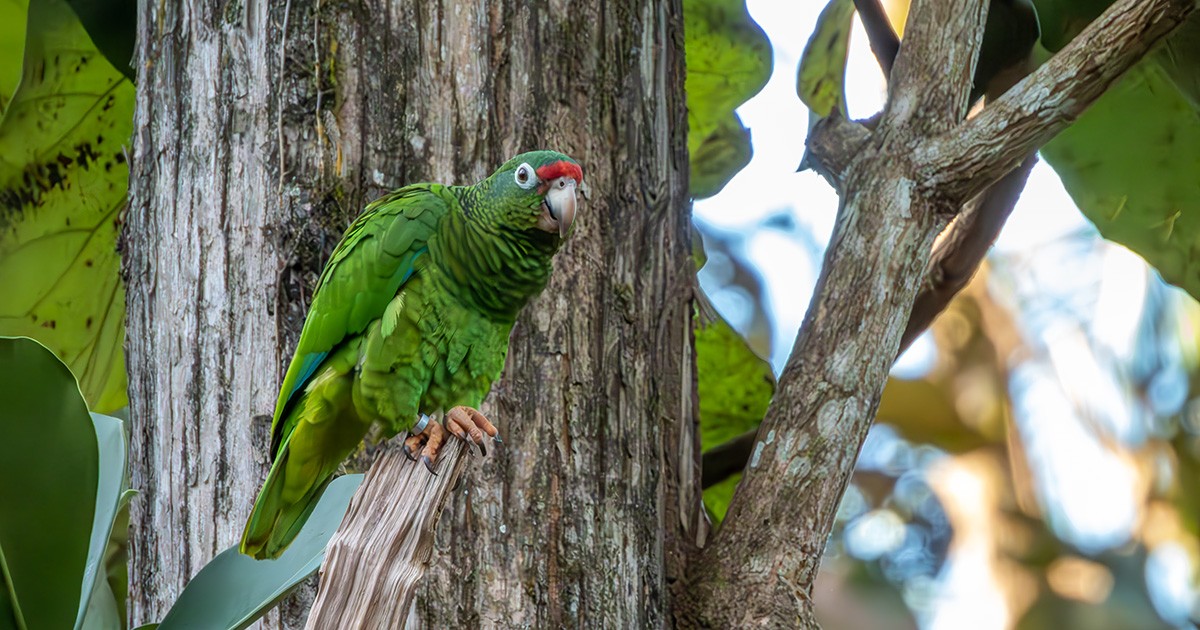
[[385, 542]]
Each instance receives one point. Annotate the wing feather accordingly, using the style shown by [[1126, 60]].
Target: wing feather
[[379, 252]]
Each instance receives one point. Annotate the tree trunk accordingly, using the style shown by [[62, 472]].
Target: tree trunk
[[264, 127]]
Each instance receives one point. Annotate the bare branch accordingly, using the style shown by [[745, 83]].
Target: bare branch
[[961, 248], [885, 44], [385, 542], [723, 461], [1043, 104], [934, 70]]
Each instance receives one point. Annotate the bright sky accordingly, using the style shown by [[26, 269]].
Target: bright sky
[[1089, 491]]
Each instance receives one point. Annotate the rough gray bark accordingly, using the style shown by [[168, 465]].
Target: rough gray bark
[[262, 129], [898, 185], [204, 247]]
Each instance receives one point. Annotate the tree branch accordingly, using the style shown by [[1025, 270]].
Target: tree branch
[[935, 68], [893, 198], [961, 248], [884, 42], [1035, 110], [832, 144], [385, 542], [956, 257]]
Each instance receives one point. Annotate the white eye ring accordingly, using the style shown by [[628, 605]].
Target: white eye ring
[[525, 177]]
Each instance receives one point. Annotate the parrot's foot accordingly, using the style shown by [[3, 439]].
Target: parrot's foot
[[466, 423], [470, 425]]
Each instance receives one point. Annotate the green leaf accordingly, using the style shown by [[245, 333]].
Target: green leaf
[[735, 386], [1131, 163], [8, 616], [234, 590], [63, 181], [822, 74], [112, 26], [12, 42], [728, 61], [1062, 20], [718, 496], [1132, 160], [110, 497], [102, 612], [48, 480], [116, 555]]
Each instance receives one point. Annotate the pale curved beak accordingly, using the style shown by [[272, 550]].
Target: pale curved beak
[[560, 201]]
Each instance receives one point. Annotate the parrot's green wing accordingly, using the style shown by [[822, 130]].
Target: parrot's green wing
[[378, 254]]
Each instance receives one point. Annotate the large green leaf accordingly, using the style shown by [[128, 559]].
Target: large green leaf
[[1132, 165], [735, 386], [728, 61], [234, 590], [99, 604], [48, 480], [12, 42], [63, 180], [1132, 160]]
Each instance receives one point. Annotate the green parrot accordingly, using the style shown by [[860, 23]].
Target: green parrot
[[410, 318]]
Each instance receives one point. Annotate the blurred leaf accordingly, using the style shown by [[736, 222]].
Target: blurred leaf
[[1062, 20], [12, 42], [102, 612], [1179, 56], [110, 497], [921, 412], [63, 180], [823, 66], [1008, 40], [233, 590], [724, 152], [1131, 163], [8, 616], [112, 26], [728, 61], [116, 554], [48, 481]]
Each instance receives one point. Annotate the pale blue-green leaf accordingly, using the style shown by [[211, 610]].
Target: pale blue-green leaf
[[234, 590], [110, 490]]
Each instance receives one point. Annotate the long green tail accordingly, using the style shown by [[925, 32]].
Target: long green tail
[[274, 522]]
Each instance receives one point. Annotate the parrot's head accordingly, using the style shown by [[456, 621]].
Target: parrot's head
[[535, 192]]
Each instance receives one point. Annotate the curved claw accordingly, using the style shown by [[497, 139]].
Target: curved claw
[[472, 427], [428, 464], [407, 453]]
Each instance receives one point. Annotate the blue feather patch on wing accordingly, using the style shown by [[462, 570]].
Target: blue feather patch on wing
[[311, 361], [409, 266]]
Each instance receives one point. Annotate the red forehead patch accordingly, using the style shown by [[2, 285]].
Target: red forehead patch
[[559, 169]]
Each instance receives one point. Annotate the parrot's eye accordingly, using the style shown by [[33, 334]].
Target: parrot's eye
[[525, 176]]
